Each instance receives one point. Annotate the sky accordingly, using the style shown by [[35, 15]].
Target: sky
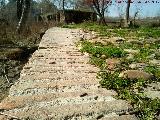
[[148, 9]]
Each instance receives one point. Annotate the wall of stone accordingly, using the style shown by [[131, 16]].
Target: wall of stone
[[68, 16], [76, 16]]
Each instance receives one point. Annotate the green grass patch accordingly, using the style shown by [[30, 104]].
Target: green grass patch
[[142, 56], [141, 32], [98, 51], [153, 70], [97, 61]]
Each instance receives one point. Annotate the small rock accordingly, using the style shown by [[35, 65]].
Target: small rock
[[135, 74], [135, 42], [155, 86], [133, 66], [140, 66], [151, 40], [157, 41], [158, 117], [113, 40], [131, 51], [79, 46], [86, 54], [103, 56], [157, 55], [152, 56], [130, 56], [152, 94], [112, 63], [117, 39], [155, 62]]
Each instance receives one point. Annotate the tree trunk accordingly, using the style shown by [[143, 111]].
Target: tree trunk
[[127, 13], [63, 2], [63, 10], [19, 8], [24, 15], [102, 20], [103, 17], [135, 15], [100, 12]]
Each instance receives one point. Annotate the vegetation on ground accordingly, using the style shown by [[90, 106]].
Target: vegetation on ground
[[135, 33], [99, 50], [131, 90]]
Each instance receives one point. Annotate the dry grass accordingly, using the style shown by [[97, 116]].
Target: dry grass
[[16, 48], [29, 36]]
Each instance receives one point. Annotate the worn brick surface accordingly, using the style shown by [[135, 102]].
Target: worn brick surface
[[58, 83]]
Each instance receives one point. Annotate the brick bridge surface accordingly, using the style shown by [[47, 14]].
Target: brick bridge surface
[[58, 83]]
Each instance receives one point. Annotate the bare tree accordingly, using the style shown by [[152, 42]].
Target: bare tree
[[63, 5], [22, 13], [19, 8], [100, 7], [135, 15], [127, 13]]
